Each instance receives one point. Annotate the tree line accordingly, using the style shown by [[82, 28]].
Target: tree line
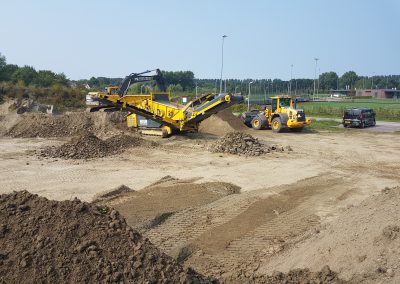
[[29, 76], [44, 86], [185, 82]]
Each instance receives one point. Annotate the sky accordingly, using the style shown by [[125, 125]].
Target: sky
[[115, 38]]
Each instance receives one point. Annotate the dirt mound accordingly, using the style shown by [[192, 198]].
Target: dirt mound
[[79, 123], [75, 242], [89, 146], [222, 123], [152, 205], [239, 143], [326, 275], [362, 244], [111, 194]]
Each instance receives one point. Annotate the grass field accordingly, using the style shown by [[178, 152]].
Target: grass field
[[385, 109], [325, 126]]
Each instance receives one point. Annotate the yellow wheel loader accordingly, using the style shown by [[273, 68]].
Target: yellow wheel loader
[[282, 115]]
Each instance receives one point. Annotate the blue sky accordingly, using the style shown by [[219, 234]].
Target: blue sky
[[114, 38]]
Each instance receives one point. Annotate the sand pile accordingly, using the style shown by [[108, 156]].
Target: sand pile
[[44, 241], [295, 276], [79, 123], [89, 146], [239, 143], [112, 194], [362, 244], [222, 123], [152, 205]]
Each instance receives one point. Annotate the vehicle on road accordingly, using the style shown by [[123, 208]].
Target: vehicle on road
[[359, 117]]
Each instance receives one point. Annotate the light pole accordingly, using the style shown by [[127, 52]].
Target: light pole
[[248, 99], [372, 84], [222, 63], [291, 77], [315, 75], [319, 72], [141, 89], [196, 90]]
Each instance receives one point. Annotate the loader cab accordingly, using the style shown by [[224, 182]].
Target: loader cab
[[277, 103]]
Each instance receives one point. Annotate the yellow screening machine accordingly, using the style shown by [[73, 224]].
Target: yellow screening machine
[[154, 113]]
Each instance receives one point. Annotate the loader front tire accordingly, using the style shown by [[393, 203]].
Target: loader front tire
[[276, 124]]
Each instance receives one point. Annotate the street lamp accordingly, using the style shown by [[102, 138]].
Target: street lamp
[[248, 99], [222, 63], [291, 77], [315, 75], [372, 84]]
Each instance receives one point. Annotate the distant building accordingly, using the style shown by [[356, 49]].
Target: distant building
[[341, 93], [379, 93]]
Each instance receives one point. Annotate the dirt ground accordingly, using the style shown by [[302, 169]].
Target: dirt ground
[[199, 216]]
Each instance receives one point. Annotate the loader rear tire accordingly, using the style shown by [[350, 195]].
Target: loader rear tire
[[257, 123]]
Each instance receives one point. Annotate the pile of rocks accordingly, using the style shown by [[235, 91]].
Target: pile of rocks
[[45, 241], [239, 143], [89, 146]]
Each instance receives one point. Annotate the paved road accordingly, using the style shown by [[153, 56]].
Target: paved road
[[381, 126]]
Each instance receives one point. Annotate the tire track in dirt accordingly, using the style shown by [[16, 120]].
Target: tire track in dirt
[[265, 226], [180, 229]]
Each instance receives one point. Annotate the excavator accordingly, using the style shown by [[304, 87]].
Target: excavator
[[155, 113], [283, 114]]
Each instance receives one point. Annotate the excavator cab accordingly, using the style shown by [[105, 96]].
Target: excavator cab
[[112, 90]]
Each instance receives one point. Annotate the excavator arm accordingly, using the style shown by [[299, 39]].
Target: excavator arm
[[140, 77]]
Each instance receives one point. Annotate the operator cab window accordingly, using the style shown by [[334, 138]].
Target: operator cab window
[[285, 102], [273, 105]]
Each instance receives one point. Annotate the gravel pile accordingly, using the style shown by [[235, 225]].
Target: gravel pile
[[45, 241], [89, 146], [239, 143]]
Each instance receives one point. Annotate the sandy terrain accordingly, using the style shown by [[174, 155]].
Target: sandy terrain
[[197, 218]]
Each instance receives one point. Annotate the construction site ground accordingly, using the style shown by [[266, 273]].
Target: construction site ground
[[223, 213]]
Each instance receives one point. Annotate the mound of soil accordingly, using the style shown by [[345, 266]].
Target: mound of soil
[[89, 146], [239, 143], [362, 244], [45, 125], [326, 275], [112, 194], [152, 205], [222, 123], [76, 242]]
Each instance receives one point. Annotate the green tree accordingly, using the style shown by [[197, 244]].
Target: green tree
[[328, 81], [61, 79], [7, 72], [2, 61], [348, 79], [45, 78], [3, 64], [175, 88], [94, 82], [26, 74]]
